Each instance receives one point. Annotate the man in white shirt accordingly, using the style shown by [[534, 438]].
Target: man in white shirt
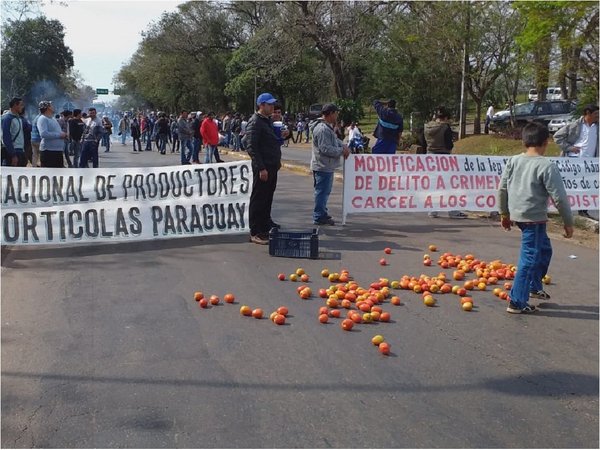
[[488, 118], [91, 138], [579, 139]]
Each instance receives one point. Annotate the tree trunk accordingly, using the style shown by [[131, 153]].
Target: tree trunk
[[562, 73], [573, 70], [477, 124], [340, 84], [542, 66]]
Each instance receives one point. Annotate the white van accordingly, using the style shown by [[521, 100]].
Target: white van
[[554, 93]]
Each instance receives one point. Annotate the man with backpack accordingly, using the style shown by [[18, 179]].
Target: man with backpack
[[13, 136]]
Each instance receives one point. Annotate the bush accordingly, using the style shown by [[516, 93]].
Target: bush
[[350, 111]]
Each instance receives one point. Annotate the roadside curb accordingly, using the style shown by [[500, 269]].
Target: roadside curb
[[294, 167]]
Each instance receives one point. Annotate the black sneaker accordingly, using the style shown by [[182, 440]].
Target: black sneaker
[[260, 239], [324, 221], [540, 294], [584, 213], [514, 309]]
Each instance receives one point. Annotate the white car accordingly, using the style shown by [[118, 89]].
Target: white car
[[558, 122], [502, 114], [533, 95]]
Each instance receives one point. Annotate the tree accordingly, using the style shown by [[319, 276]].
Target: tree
[[573, 27], [18, 10], [181, 61], [33, 51], [344, 32], [418, 61], [494, 26]]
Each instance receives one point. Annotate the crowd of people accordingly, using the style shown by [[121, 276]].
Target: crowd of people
[[187, 133]]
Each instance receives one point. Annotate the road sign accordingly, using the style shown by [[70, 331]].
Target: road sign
[[100, 91]]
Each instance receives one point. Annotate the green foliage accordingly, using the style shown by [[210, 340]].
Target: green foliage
[[33, 50], [587, 96], [210, 55], [350, 110]]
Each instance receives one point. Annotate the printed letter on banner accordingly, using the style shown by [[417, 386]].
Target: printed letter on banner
[[54, 206], [423, 183]]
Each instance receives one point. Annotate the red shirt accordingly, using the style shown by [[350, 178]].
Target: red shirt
[[209, 132]]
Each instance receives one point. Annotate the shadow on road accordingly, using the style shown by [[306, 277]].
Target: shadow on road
[[10, 254], [548, 309], [547, 383]]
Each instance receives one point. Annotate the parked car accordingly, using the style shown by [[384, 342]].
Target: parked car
[[533, 95], [553, 93], [558, 122], [314, 111], [543, 111]]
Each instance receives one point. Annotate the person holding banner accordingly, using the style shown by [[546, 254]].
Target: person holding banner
[[51, 146], [528, 181], [261, 143], [389, 127], [327, 149], [438, 141]]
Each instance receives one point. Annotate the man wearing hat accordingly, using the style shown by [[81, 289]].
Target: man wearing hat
[[326, 152], [389, 127], [264, 148]]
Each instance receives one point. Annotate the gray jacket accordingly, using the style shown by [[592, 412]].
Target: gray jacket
[[568, 135], [326, 147], [184, 129]]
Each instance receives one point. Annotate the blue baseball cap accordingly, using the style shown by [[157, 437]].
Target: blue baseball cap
[[265, 98]]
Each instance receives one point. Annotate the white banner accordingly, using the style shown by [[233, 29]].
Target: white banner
[[408, 182], [54, 206]]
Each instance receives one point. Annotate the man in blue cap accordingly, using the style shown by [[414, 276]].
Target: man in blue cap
[[264, 148], [389, 127]]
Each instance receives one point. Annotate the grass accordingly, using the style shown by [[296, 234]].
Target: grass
[[494, 145]]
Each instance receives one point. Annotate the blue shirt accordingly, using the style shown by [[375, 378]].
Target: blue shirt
[[35, 133], [13, 133], [390, 123], [50, 133]]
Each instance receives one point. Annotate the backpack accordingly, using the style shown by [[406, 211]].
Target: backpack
[[4, 151]]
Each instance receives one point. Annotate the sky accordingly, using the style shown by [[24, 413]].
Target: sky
[[103, 35]]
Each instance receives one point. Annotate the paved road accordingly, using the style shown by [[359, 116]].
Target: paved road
[[103, 346]]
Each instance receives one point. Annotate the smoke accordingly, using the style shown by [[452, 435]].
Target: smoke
[[48, 90]]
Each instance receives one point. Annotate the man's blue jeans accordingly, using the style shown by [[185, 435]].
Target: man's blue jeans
[[76, 149], [162, 142], [196, 150], [210, 152], [89, 151], [124, 137], [106, 141], [536, 253], [186, 144], [323, 182]]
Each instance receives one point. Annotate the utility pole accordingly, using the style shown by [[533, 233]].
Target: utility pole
[[463, 110]]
